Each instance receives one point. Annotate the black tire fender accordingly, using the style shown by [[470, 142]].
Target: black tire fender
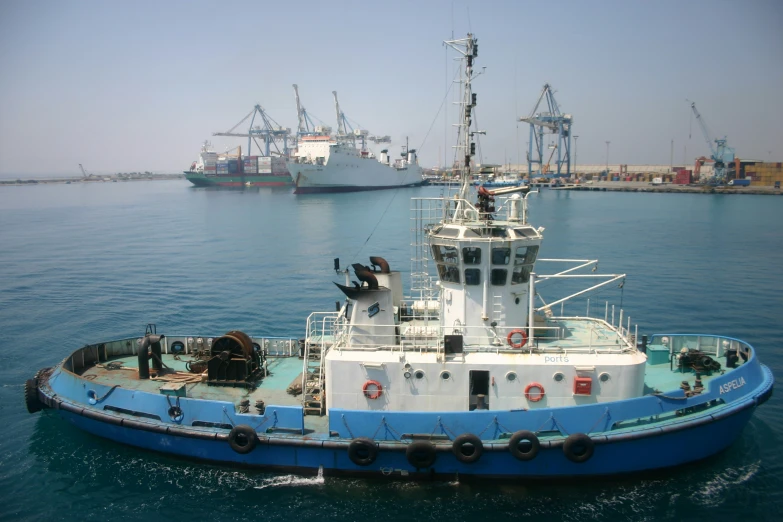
[[363, 451], [578, 448], [31, 399], [421, 454], [242, 439], [468, 448], [520, 453]]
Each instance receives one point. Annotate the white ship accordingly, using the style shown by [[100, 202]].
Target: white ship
[[324, 163]]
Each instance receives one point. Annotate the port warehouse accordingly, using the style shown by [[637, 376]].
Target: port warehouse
[[760, 173]]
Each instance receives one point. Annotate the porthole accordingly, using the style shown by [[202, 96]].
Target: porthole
[[511, 376], [445, 375], [558, 377], [419, 374], [603, 377], [177, 347]]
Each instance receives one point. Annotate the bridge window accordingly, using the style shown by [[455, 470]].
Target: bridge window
[[501, 256], [445, 254], [521, 274], [526, 255], [472, 276], [448, 274], [471, 255], [499, 276]]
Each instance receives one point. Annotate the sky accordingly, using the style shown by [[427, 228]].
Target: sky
[[124, 86]]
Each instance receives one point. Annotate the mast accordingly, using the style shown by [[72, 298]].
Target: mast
[[468, 48]]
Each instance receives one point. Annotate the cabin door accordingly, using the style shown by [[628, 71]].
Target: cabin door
[[478, 396]]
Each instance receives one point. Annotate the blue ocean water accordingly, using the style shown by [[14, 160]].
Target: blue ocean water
[[94, 261]]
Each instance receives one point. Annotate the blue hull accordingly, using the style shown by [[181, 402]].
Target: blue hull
[[703, 426], [646, 454]]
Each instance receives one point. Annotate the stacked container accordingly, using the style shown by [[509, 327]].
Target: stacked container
[[250, 165], [264, 165], [278, 167], [767, 174]]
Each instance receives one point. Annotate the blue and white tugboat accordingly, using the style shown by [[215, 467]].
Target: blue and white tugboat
[[471, 374]]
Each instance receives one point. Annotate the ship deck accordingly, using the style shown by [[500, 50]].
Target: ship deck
[[283, 371], [661, 376]]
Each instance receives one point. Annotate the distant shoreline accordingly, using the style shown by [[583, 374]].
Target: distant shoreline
[[93, 179]]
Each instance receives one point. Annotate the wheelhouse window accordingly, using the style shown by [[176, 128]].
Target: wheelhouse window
[[472, 276], [501, 256], [448, 274], [471, 255], [499, 276], [445, 254], [521, 274], [524, 257]]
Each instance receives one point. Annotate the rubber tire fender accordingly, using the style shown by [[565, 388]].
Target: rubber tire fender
[[420, 454], [362, 451], [573, 442], [31, 399], [519, 436], [469, 439], [238, 434]]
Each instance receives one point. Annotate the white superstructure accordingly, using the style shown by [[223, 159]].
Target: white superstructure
[[321, 164], [324, 163]]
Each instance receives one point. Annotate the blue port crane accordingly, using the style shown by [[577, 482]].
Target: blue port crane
[[721, 154], [262, 127], [554, 122]]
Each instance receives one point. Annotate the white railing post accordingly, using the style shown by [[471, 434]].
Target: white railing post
[[530, 318]]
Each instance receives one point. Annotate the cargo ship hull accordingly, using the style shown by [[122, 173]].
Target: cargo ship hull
[[200, 179]]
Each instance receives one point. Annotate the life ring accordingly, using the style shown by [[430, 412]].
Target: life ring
[[511, 342], [519, 442], [362, 451], [468, 448], [534, 398], [243, 439], [31, 399], [578, 448], [421, 454], [372, 394]]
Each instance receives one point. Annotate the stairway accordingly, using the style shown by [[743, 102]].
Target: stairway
[[313, 398]]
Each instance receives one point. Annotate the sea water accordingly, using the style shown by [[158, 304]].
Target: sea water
[[86, 262]]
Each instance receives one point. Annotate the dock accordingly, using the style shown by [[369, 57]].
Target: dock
[[669, 188]]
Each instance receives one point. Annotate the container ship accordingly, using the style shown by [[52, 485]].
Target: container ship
[[223, 170]]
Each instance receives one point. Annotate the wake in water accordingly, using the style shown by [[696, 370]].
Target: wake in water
[[293, 480], [712, 493]]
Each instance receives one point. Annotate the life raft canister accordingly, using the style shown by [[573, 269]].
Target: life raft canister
[[537, 397], [370, 394], [510, 338]]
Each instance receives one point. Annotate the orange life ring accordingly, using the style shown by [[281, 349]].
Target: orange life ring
[[534, 398], [521, 343], [372, 394]]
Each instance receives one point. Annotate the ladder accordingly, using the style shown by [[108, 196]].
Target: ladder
[[313, 399], [498, 313]]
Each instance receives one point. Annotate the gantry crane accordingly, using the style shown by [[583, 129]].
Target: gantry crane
[[306, 126], [269, 131], [345, 131], [553, 122], [721, 154]]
